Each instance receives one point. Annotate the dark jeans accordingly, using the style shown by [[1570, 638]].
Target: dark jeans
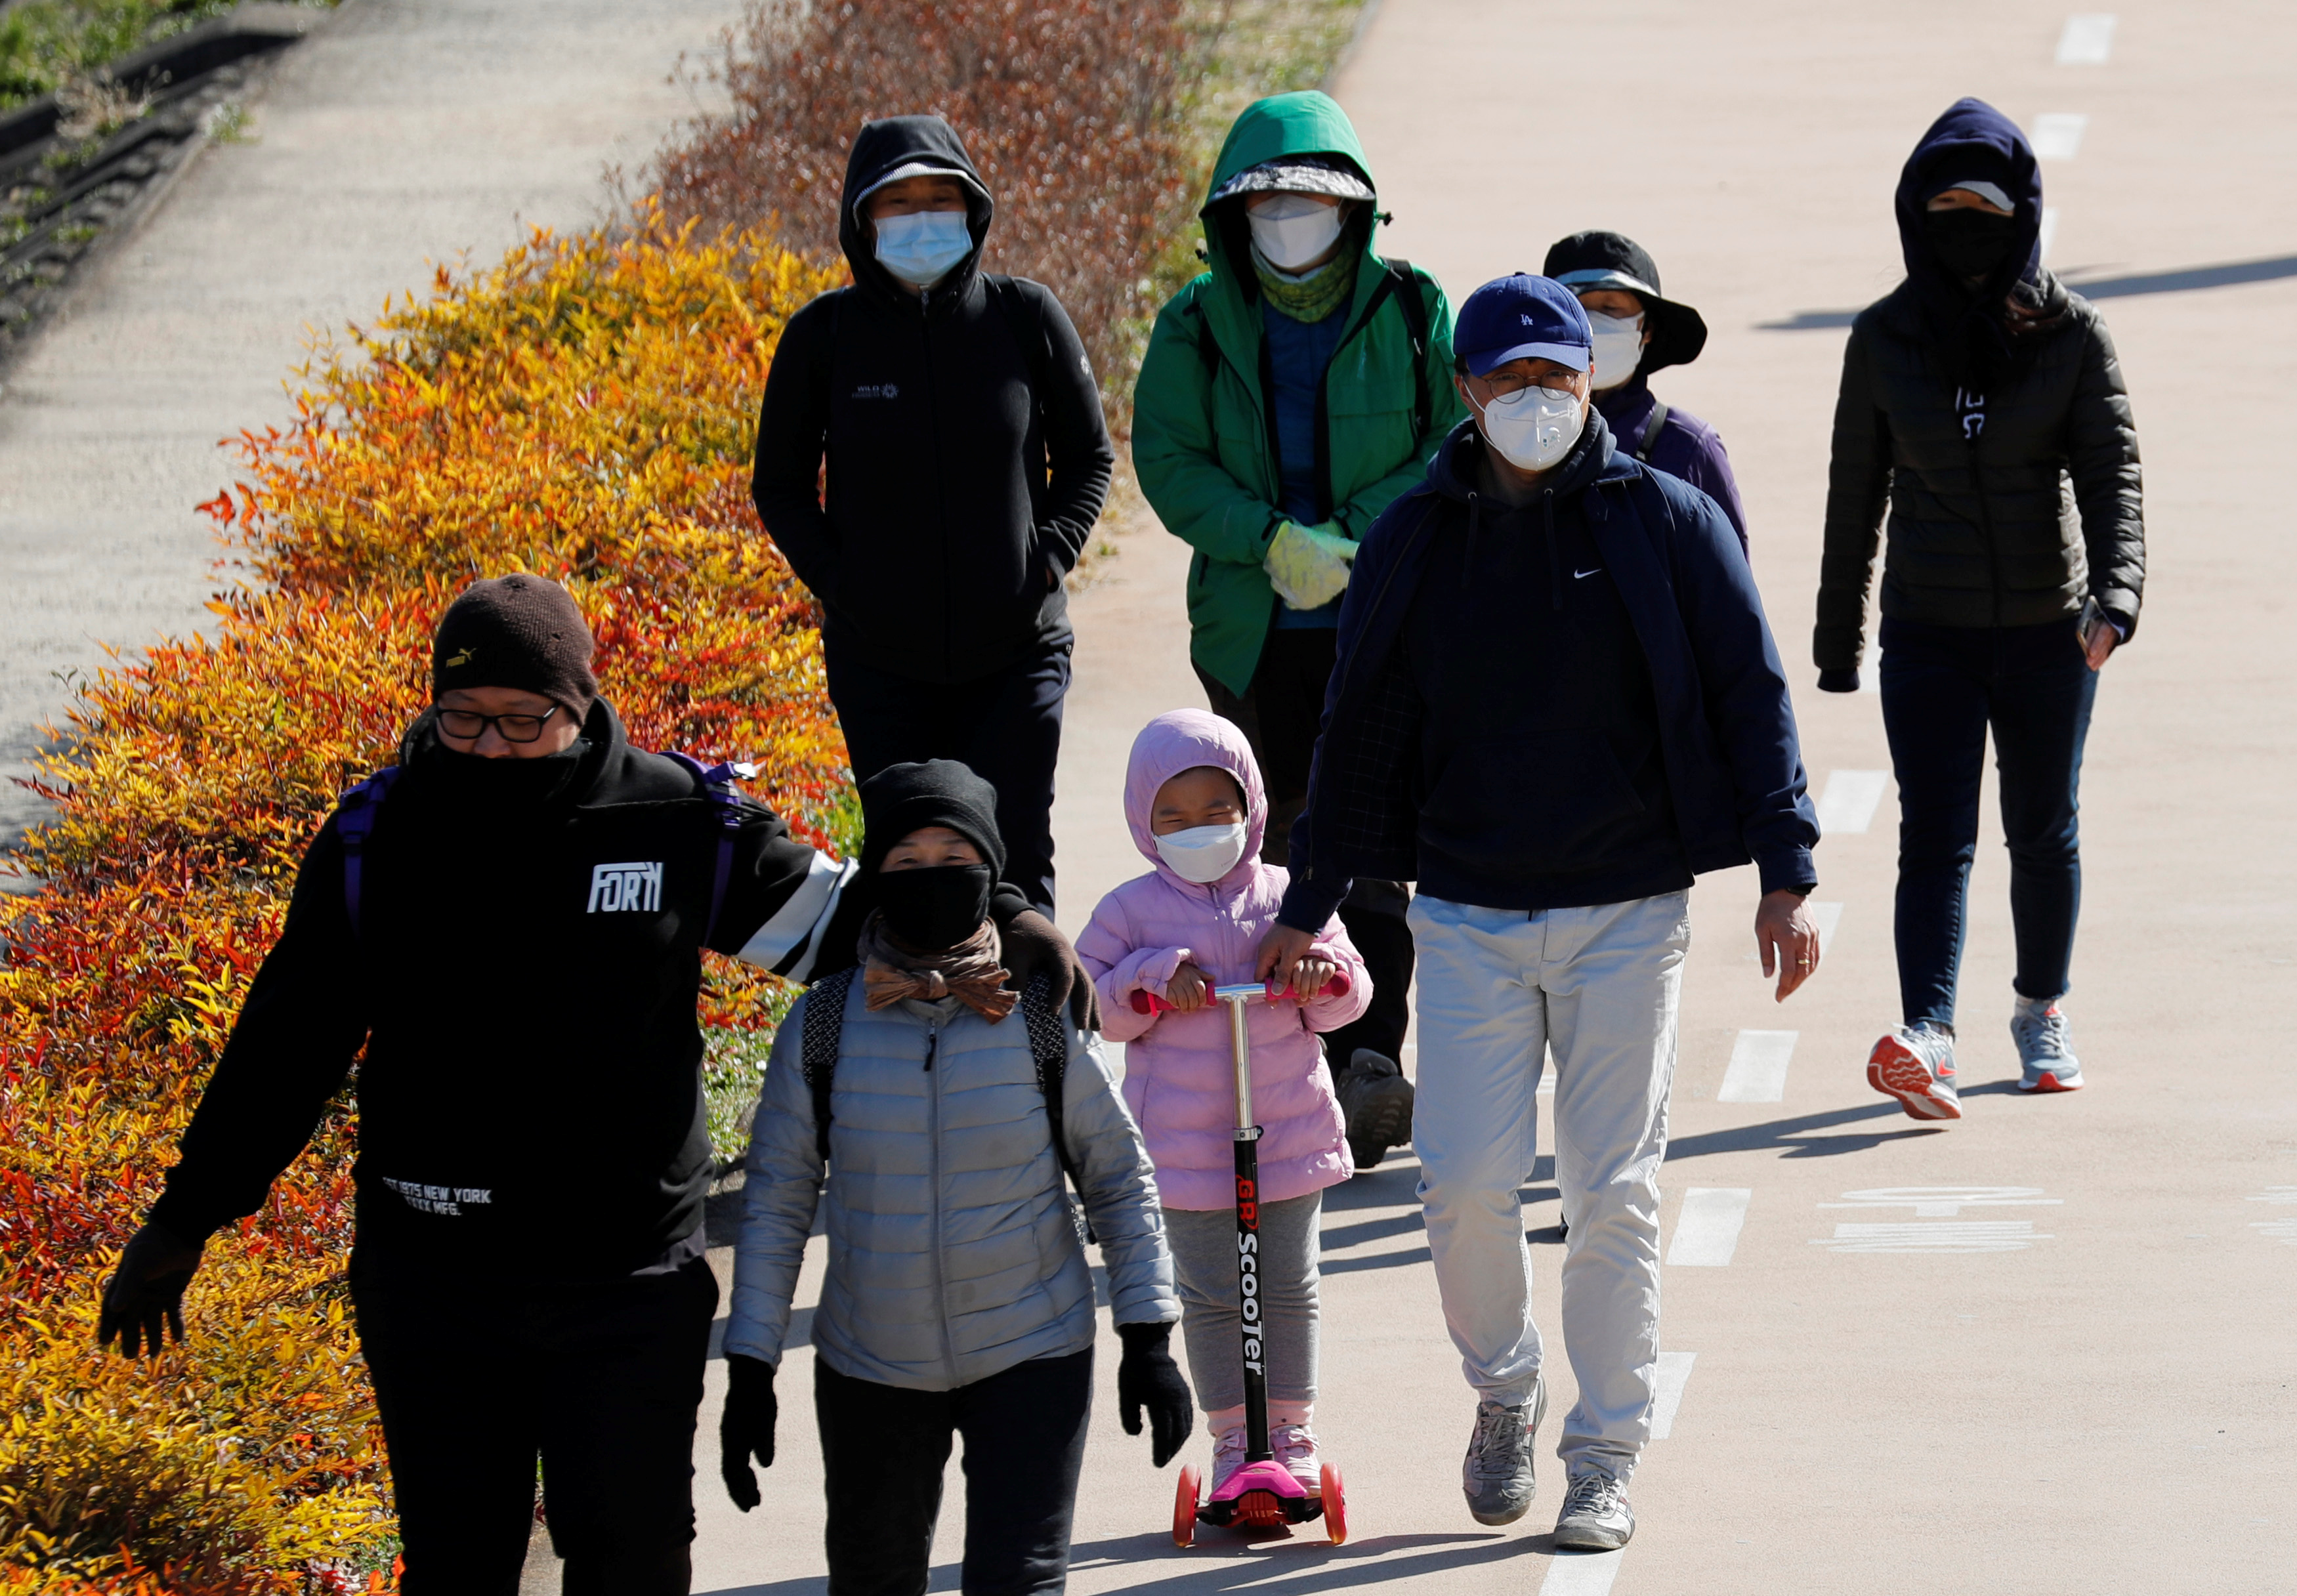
[[1942, 689], [1005, 726], [475, 1377], [883, 1451], [1282, 714]]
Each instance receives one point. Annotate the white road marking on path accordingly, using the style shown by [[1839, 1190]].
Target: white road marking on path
[[1666, 1393], [1934, 1227], [2284, 1231], [1581, 1573], [1759, 1067], [1848, 803], [2049, 229], [1944, 1202], [1707, 1230], [1829, 916], [1934, 1236], [2087, 40], [2057, 135]]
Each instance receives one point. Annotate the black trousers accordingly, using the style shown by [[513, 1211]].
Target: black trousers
[[883, 1451], [1282, 714], [1005, 726], [477, 1376]]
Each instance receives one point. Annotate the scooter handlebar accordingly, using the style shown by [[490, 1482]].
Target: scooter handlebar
[[1148, 1002]]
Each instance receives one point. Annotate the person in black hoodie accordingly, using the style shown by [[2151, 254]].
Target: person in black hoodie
[[511, 923], [967, 463], [1983, 405]]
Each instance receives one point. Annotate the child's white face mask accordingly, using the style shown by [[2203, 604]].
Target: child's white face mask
[[1202, 854]]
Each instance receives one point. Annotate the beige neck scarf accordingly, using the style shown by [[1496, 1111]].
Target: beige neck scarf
[[969, 972]]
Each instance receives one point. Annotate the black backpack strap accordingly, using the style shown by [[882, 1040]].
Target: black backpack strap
[[718, 786], [821, 1028], [1651, 431], [356, 813], [1405, 288], [1049, 1046]]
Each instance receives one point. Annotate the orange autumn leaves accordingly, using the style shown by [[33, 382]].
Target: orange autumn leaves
[[583, 409]]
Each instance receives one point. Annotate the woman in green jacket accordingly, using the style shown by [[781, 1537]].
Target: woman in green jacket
[[1290, 391]]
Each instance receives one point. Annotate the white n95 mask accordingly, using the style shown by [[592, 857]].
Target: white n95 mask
[[1291, 230], [1533, 429], [920, 247], [1202, 854], [1619, 348]]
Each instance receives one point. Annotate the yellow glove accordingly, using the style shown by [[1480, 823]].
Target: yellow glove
[[1308, 565]]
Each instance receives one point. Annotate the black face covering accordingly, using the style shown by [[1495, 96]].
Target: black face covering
[[1970, 243], [937, 907], [492, 784]]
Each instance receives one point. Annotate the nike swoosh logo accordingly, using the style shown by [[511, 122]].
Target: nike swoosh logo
[[1591, 571]]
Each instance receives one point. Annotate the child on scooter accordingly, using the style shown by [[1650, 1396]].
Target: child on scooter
[[1194, 800]]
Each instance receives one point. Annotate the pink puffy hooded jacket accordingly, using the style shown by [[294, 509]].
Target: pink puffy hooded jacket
[[1180, 1079]]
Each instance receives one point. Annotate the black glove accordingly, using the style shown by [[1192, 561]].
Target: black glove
[[1147, 1377], [746, 1425], [1033, 943], [1837, 681], [147, 1291]]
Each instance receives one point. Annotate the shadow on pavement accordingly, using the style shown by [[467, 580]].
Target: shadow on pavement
[[2185, 281], [1226, 1563], [1787, 1138]]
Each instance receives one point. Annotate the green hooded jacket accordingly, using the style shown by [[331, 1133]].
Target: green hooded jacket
[[1204, 424]]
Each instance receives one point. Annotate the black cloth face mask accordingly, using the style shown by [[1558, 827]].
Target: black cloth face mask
[[1969, 244], [502, 784], [937, 907]]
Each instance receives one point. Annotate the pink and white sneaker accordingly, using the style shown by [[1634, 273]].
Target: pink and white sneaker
[[1915, 1065], [1294, 1444]]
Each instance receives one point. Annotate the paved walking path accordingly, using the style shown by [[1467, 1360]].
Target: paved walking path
[[2047, 1349], [401, 133]]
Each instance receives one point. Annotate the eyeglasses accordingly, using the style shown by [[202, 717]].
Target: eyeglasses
[[467, 726], [1508, 387]]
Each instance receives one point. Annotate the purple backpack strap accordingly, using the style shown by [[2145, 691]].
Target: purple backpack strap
[[719, 782], [355, 818]]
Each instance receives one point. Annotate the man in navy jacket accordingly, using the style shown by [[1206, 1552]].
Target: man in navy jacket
[[1556, 701]]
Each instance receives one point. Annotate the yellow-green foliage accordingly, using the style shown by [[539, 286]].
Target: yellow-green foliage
[[585, 410]]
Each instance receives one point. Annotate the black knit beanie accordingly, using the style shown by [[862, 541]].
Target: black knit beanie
[[900, 799], [515, 631]]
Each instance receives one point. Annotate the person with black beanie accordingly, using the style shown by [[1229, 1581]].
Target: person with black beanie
[[510, 923], [934, 1133], [931, 459], [1982, 407]]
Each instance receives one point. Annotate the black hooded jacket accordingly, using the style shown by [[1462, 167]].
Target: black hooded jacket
[[523, 978], [967, 457], [2001, 443]]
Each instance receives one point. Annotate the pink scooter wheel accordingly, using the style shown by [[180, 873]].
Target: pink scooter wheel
[[1184, 1508], [1336, 1505]]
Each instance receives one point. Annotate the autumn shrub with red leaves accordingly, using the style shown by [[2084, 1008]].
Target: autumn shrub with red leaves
[[1073, 112]]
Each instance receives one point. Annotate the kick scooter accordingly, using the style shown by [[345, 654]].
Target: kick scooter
[[1261, 1494]]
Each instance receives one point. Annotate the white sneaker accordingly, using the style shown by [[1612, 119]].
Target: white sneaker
[[1596, 1517], [1228, 1452], [2046, 1046], [1915, 1065], [1293, 1447]]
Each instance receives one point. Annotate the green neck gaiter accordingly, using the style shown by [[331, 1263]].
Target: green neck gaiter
[[1312, 297]]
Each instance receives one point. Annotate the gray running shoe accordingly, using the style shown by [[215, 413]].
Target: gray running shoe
[[1916, 1066], [1376, 1101], [1596, 1517], [2046, 1047], [1497, 1476]]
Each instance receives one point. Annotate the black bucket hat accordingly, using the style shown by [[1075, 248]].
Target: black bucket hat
[[1587, 260], [1318, 174]]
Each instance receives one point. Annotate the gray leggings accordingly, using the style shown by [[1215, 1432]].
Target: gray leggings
[[1204, 1257]]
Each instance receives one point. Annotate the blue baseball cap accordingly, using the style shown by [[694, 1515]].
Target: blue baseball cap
[[1522, 317]]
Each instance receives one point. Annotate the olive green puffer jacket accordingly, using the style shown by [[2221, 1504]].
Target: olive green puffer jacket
[[2035, 512]]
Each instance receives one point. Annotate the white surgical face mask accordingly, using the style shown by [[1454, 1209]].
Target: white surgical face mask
[[1202, 854], [1619, 348], [920, 247], [1292, 229], [1535, 431]]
